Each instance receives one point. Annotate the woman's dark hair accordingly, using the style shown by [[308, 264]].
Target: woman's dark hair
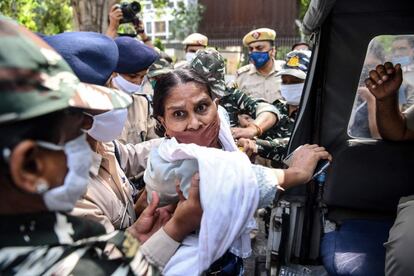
[[168, 81]]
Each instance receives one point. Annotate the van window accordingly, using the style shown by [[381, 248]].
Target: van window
[[394, 48]]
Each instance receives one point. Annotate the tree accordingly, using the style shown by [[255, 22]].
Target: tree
[[44, 16], [303, 7], [186, 19], [91, 15]]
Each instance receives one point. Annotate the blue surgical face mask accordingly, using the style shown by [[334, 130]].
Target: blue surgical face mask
[[403, 60], [259, 58]]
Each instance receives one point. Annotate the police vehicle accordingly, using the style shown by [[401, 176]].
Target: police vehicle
[[338, 223]]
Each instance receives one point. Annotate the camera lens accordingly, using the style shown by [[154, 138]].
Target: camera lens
[[136, 7]]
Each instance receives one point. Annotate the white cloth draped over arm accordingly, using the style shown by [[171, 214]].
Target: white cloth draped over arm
[[229, 194], [229, 197]]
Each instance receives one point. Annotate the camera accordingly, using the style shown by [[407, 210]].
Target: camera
[[129, 12]]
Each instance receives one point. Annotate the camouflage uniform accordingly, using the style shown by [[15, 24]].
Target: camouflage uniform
[[49, 242], [273, 143], [237, 102], [57, 244], [209, 63], [159, 67]]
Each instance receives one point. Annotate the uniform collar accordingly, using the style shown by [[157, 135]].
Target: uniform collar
[[96, 163], [275, 68], [101, 156], [45, 228]]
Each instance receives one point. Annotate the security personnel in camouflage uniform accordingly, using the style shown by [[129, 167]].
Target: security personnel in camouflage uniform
[[273, 144], [210, 64], [45, 161], [259, 78], [159, 67]]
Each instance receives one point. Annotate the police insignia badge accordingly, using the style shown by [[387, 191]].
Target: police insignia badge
[[256, 35], [293, 61]]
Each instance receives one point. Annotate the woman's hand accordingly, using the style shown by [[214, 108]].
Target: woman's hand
[[303, 164], [187, 216]]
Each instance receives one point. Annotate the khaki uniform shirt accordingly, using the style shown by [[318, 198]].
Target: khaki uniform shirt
[[251, 82], [140, 125], [108, 199]]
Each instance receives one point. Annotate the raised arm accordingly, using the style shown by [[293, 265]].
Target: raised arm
[[384, 83]]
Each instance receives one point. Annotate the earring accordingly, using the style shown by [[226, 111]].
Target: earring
[[41, 186], [6, 154]]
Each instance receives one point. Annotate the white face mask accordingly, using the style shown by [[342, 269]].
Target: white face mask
[[190, 56], [108, 126], [126, 86], [292, 92], [79, 161]]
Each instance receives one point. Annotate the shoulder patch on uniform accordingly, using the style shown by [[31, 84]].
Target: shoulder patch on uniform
[[243, 69]]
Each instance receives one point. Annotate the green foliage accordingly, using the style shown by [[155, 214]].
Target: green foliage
[[126, 29], [186, 19], [158, 43], [385, 41], [44, 16], [159, 4], [303, 7], [282, 51]]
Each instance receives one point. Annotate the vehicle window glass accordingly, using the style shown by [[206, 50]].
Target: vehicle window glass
[[393, 48]]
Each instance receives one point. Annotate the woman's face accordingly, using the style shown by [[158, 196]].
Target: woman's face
[[188, 107]]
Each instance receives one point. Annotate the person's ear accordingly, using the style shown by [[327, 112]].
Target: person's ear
[[87, 122], [27, 167], [164, 129], [273, 52]]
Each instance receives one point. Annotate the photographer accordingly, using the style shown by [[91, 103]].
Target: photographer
[[115, 19]]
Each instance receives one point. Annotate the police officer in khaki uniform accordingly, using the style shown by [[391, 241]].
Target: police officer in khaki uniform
[[134, 60], [192, 43], [44, 171], [109, 197], [259, 79]]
